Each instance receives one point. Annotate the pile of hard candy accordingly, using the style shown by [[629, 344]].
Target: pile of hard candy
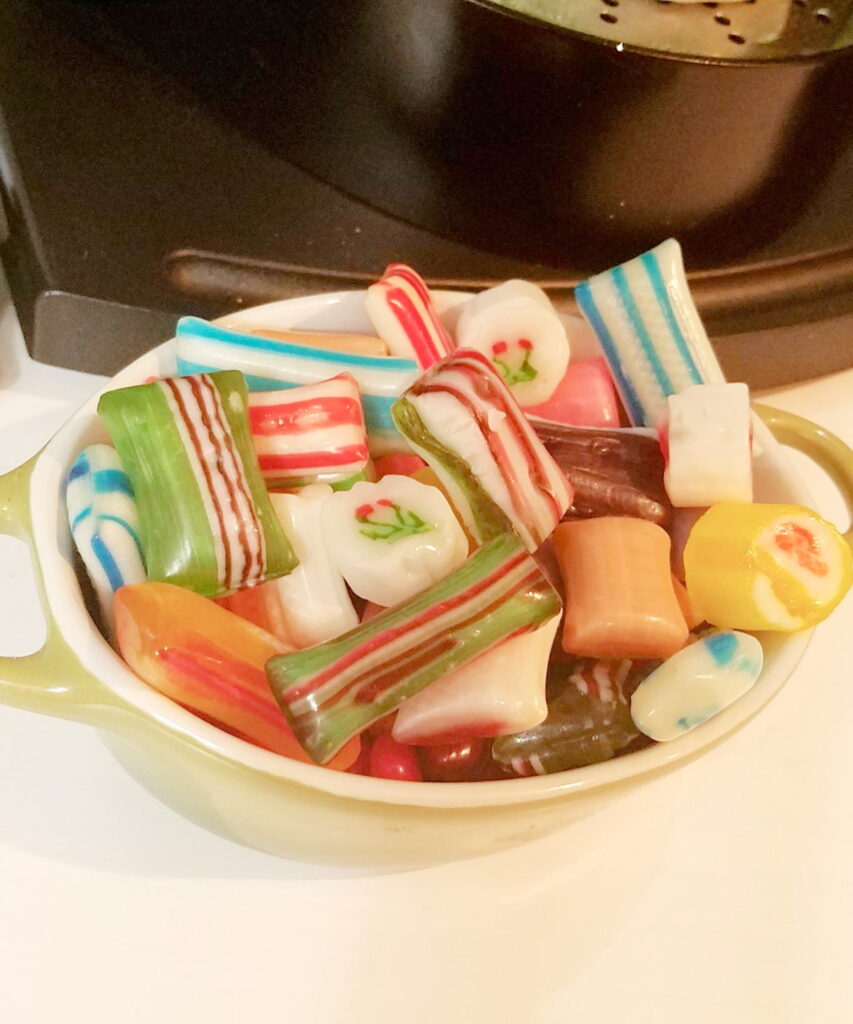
[[522, 546]]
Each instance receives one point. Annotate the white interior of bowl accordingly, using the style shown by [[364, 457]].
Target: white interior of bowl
[[774, 481]]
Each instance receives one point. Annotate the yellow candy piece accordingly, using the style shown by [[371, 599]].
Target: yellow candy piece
[[761, 566]]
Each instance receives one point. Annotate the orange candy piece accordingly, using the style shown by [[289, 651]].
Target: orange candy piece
[[620, 601], [210, 661]]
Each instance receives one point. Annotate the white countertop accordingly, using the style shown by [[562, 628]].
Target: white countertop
[[720, 893]]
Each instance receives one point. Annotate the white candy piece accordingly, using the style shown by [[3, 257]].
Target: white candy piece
[[515, 326], [312, 599], [696, 683], [710, 456], [392, 539], [501, 692]]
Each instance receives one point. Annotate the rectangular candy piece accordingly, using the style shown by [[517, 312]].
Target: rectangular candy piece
[[649, 330], [104, 523], [335, 690], [585, 397], [402, 313], [206, 521], [461, 418], [613, 472], [620, 601], [310, 604], [269, 365], [208, 661], [313, 433], [707, 439]]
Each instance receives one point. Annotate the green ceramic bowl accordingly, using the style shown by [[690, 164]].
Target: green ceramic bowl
[[296, 810]]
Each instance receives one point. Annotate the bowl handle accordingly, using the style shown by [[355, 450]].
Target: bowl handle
[[52, 680], [824, 448]]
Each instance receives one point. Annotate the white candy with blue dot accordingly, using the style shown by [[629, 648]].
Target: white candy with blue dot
[[696, 683]]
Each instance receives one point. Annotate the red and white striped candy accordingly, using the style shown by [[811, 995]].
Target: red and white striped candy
[[402, 313], [308, 434]]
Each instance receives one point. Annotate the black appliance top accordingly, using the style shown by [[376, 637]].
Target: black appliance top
[[131, 199]]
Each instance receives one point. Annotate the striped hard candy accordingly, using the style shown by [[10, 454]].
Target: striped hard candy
[[269, 365], [104, 523], [649, 331], [313, 433], [206, 521]]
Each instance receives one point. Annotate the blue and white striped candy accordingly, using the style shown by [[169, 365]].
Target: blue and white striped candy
[[104, 523], [696, 683], [649, 330], [269, 365]]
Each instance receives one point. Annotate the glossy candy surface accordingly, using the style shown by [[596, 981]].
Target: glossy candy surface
[[392, 539], [311, 604], [207, 660], [651, 335], [580, 729], [708, 442], [333, 691], [104, 523], [695, 684], [612, 472], [764, 566], [517, 329], [461, 418], [585, 397], [401, 310], [313, 433], [206, 521], [269, 365], [620, 601], [502, 691]]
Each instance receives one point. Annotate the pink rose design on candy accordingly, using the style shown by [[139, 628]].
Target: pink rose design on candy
[[514, 374], [404, 523]]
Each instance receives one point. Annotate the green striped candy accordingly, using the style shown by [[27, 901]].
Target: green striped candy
[[206, 521]]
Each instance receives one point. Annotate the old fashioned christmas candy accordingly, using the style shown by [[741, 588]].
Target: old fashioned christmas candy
[[649, 331], [206, 521], [401, 310], [392, 539], [765, 566], [461, 418], [104, 523], [208, 660], [696, 684], [335, 690]]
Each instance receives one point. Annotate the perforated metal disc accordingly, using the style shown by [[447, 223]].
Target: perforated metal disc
[[739, 29]]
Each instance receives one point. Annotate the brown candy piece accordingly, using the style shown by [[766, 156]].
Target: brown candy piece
[[613, 472]]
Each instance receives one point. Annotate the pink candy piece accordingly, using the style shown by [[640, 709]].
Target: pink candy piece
[[585, 397], [401, 310], [309, 433]]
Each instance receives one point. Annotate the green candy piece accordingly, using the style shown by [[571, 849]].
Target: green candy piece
[[490, 519], [206, 521], [333, 691], [580, 729]]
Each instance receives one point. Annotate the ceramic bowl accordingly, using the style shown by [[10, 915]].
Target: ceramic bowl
[[296, 810]]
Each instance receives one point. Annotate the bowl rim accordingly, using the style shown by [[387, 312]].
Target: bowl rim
[[64, 598]]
